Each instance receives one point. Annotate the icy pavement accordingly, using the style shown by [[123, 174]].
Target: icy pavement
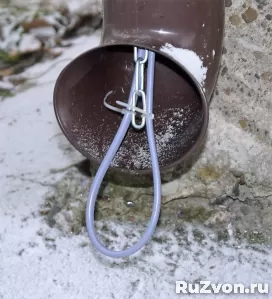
[[38, 262]]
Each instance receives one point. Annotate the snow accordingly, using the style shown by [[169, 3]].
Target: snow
[[29, 43], [5, 85], [38, 262], [43, 32], [189, 59], [79, 7]]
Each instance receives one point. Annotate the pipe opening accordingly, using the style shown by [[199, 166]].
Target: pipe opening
[[179, 108]]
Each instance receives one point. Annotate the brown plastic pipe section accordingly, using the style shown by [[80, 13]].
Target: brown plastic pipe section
[[197, 25], [187, 36]]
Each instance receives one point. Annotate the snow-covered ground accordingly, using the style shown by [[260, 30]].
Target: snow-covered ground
[[38, 262]]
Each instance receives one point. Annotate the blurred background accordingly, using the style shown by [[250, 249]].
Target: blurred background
[[33, 31]]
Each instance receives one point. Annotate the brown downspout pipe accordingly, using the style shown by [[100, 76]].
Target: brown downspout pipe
[[175, 30]]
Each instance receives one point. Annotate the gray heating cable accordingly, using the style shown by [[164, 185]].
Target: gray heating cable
[[110, 156]]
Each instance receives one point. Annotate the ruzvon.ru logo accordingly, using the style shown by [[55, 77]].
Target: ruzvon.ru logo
[[206, 287]]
